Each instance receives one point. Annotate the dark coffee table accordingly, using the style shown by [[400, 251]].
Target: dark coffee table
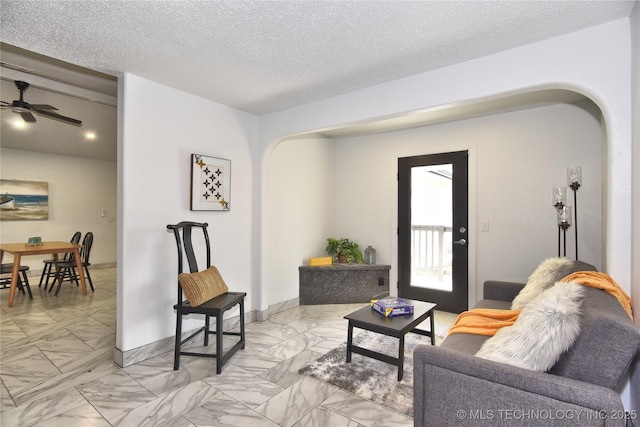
[[368, 319]]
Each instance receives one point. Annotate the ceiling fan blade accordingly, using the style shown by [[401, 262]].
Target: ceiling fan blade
[[59, 117], [42, 107], [5, 104], [28, 117]]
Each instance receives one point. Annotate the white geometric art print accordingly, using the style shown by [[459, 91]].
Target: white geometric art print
[[210, 183]]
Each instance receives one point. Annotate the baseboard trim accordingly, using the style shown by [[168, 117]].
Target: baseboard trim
[[137, 355], [277, 308]]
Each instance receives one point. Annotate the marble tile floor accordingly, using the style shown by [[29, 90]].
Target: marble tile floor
[[56, 369]]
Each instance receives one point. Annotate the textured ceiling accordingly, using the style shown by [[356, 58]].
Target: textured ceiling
[[257, 56], [52, 136], [267, 56]]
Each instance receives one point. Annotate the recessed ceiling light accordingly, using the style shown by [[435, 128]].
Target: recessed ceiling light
[[19, 124], [90, 136]]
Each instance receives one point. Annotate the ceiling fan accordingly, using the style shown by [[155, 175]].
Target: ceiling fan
[[25, 109]]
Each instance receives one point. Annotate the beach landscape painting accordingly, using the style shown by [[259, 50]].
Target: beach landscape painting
[[23, 200]]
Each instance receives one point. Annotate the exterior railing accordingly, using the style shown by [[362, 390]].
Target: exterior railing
[[431, 248]]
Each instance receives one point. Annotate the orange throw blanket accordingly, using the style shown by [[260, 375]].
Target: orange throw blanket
[[483, 321], [602, 281], [487, 321]]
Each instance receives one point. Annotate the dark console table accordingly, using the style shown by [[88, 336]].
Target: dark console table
[[343, 283]]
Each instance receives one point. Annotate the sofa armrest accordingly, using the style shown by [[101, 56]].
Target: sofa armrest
[[503, 291], [452, 388]]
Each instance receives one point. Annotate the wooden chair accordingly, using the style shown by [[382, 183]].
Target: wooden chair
[[48, 271], [66, 270], [215, 307], [23, 280]]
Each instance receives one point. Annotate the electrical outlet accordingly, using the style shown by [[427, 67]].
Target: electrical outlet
[[484, 225]]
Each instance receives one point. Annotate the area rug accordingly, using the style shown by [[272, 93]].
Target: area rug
[[369, 378]]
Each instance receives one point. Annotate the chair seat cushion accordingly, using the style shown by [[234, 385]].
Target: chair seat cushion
[[202, 286], [8, 268]]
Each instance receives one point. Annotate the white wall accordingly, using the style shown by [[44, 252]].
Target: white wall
[[594, 62], [635, 56], [515, 160], [155, 145], [79, 188], [302, 182], [156, 142]]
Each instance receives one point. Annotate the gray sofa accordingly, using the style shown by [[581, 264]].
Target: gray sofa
[[452, 387]]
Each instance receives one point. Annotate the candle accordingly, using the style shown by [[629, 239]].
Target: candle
[[574, 177], [564, 216], [559, 197]]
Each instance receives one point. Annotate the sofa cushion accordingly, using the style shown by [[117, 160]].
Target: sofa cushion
[[493, 303], [545, 328], [471, 343], [464, 343], [544, 276], [582, 266], [607, 343]]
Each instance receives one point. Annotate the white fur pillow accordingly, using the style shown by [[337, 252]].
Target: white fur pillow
[[545, 275], [545, 328]]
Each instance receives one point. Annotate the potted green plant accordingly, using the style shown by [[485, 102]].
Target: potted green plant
[[344, 250]]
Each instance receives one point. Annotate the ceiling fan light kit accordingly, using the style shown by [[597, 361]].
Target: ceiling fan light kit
[[25, 109]]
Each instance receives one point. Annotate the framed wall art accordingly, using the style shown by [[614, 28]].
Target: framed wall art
[[210, 183], [23, 200]]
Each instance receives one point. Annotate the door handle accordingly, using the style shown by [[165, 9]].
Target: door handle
[[460, 242]]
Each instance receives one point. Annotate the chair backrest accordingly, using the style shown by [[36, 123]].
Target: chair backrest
[[184, 242], [87, 243], [69, 257]]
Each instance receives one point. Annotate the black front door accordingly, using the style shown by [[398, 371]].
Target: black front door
[[432, 229]]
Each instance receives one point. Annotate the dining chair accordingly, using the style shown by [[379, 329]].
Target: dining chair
[[206, 293], [23, 280], [66, 270], [48, 271]]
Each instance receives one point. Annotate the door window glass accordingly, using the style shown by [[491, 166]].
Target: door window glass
[[431, 226]]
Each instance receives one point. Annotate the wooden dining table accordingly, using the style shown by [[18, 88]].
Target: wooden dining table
[[18, 250]]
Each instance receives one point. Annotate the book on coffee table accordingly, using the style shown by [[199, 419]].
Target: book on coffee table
[[392, 306]]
